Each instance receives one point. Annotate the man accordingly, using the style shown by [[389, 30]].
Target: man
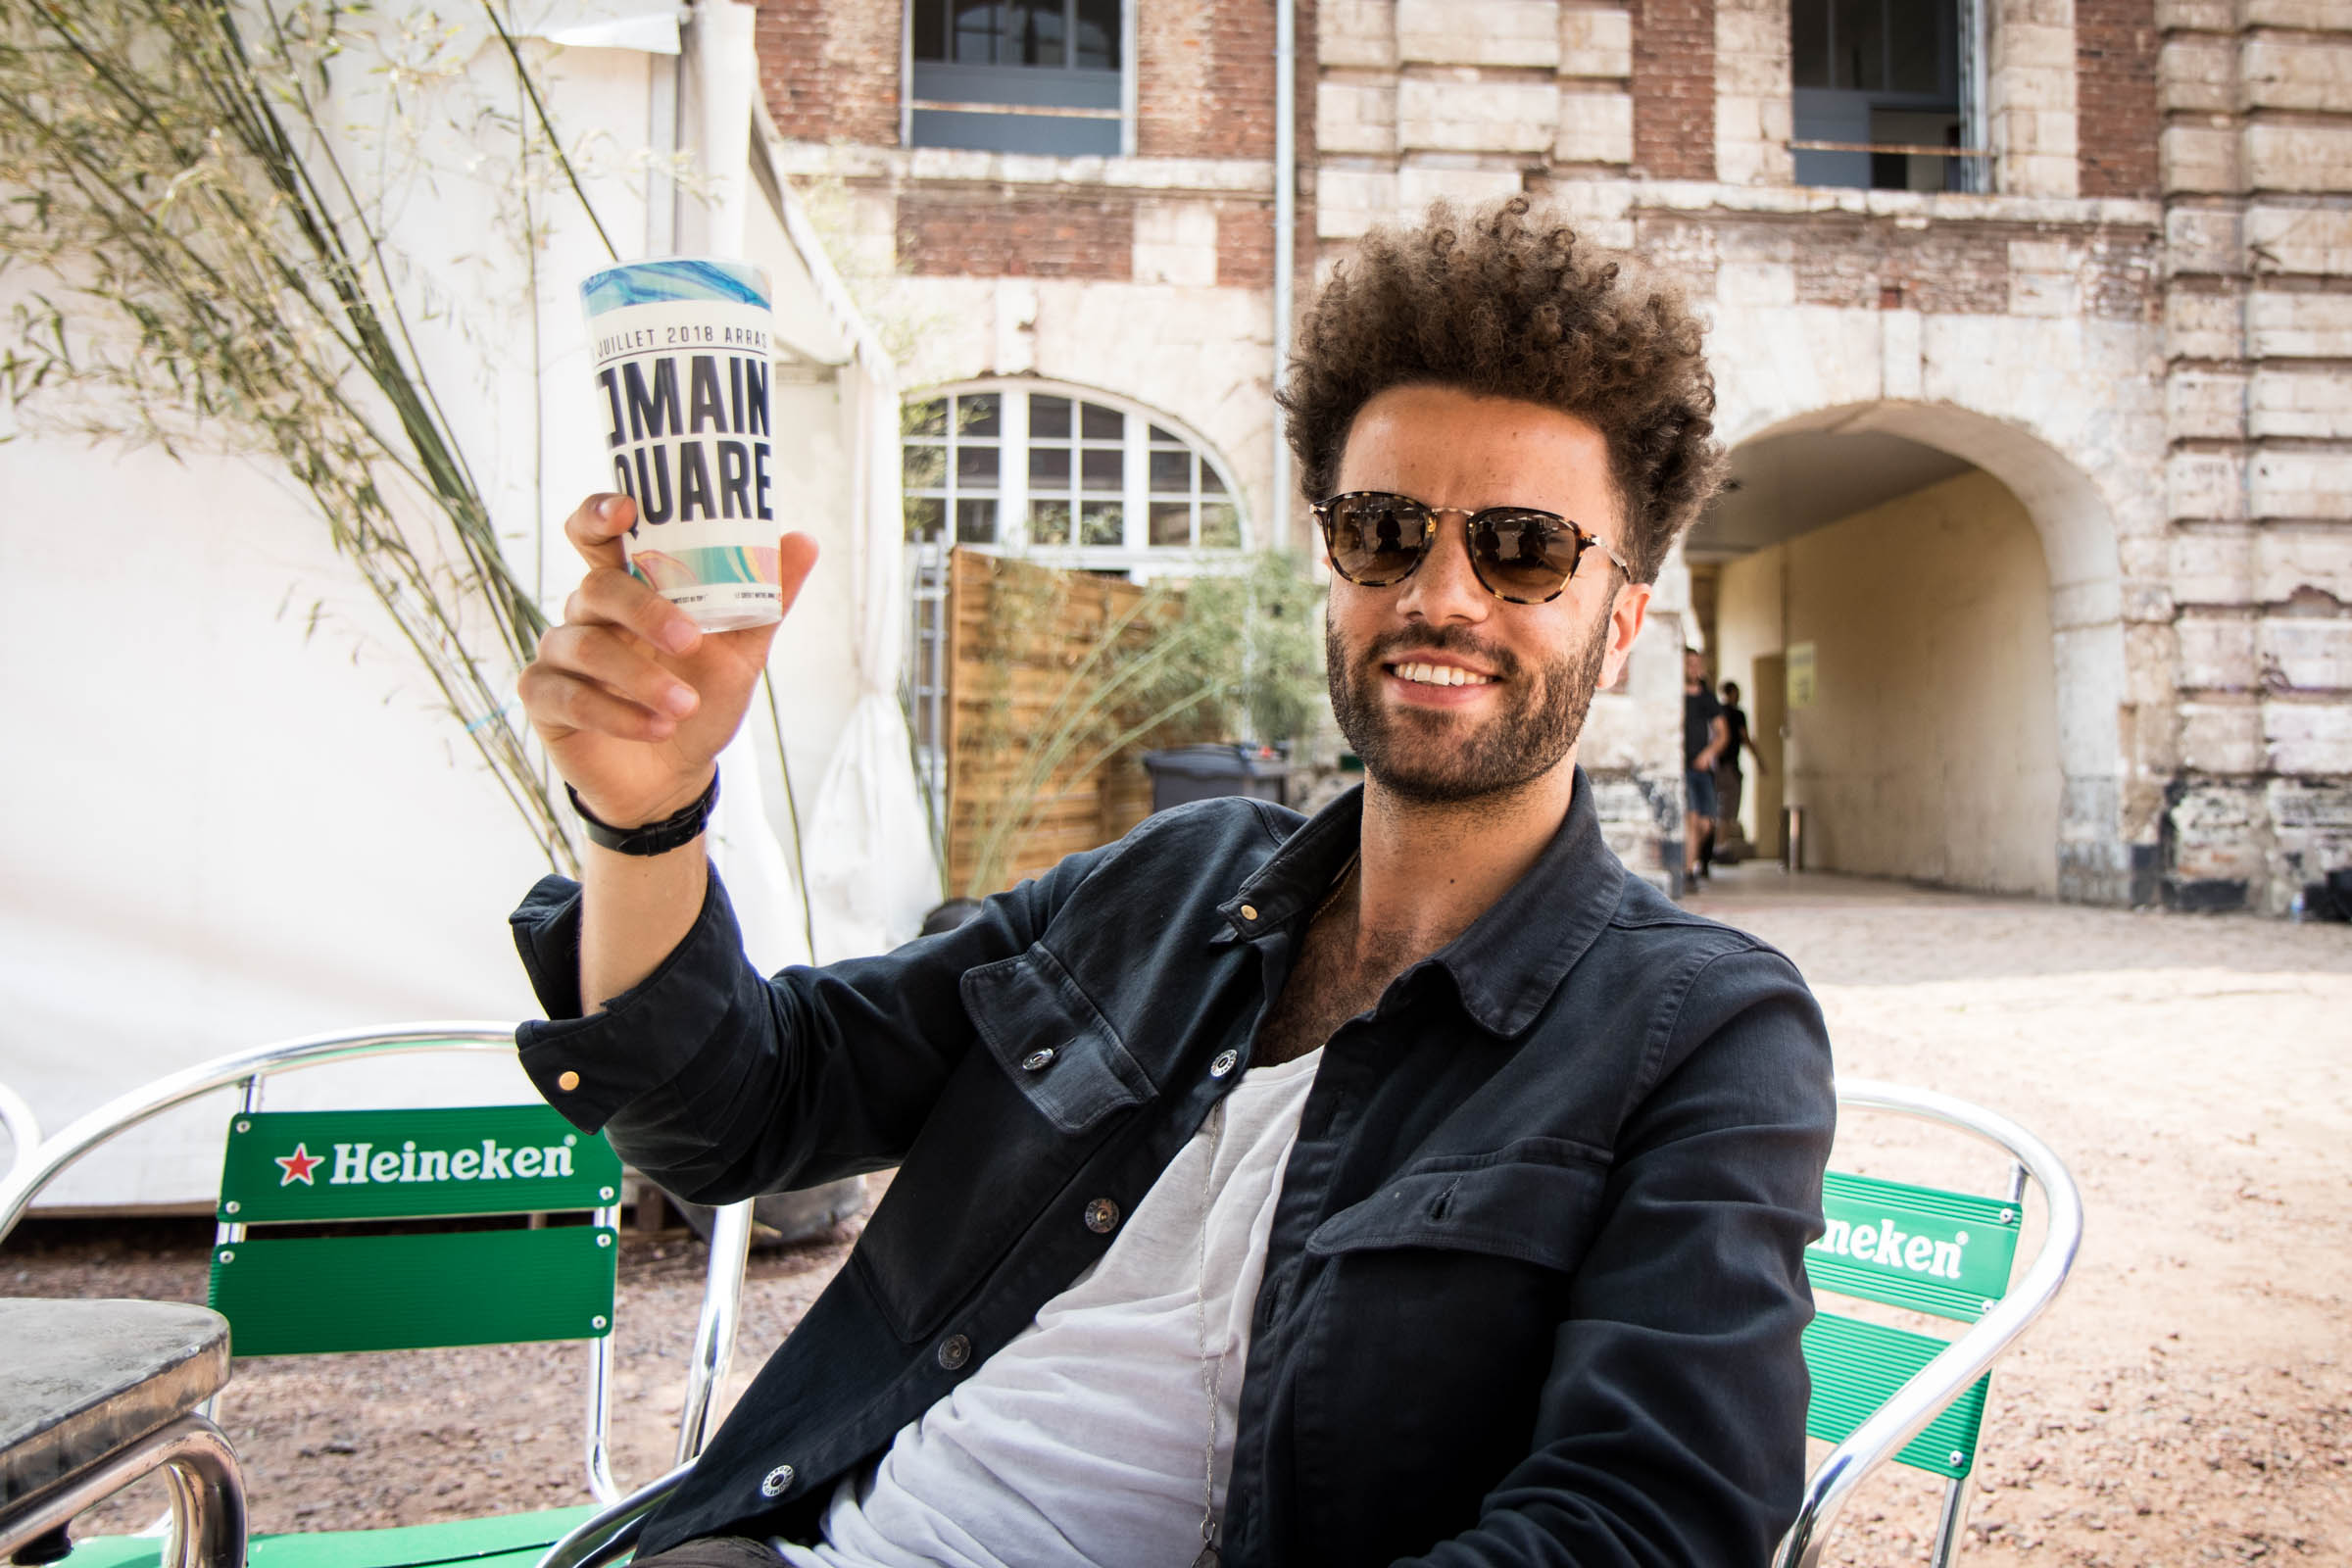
[[1729, 784], [1704, 735], [1407, 1184]]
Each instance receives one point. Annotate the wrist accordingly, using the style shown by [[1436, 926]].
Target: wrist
[[667, 826]]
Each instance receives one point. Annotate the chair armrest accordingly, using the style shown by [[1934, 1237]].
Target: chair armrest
[[608, 1537]]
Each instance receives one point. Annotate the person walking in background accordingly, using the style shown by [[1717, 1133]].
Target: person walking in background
[[1704, 740], [1729, 783]]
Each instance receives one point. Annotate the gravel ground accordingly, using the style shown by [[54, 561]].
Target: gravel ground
[[2187, 1401]]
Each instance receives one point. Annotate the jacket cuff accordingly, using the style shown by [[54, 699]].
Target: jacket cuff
[[643, 1037]]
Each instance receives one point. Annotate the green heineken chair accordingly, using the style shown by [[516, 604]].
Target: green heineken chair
[[411, 1286], [1881, 1393]]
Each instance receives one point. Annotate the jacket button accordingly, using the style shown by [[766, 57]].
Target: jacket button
[[1248, 912], [954, 1351], [1102, 1216], [568, 1080], [1038, 1061], [1224, 1064], [772, 1484]]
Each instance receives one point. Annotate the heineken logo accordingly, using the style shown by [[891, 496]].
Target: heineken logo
[[360, 1164], [1889, 1246]]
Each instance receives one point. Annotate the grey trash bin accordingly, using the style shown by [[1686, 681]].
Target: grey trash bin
[[1183, 774]]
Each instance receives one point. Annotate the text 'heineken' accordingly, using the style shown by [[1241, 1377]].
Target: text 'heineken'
[[682, 352]]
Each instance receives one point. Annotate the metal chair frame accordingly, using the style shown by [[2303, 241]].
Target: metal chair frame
[[23, 1133], [1966, 1358], [247, 1071]]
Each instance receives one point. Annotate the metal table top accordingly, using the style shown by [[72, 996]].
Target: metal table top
[[81, 1379]]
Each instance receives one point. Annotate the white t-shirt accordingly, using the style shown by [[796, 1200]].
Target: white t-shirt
[[1082, 1443]]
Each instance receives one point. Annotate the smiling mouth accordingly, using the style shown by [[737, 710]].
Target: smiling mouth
[[1422, 674]]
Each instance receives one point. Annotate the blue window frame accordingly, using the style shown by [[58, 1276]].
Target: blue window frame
[[1017, 76]]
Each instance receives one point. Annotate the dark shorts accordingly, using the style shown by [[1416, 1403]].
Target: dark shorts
[[1699, 789]]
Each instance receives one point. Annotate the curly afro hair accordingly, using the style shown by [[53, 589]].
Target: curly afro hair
[[1502, 303]]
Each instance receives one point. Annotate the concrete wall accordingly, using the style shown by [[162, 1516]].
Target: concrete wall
[[1932, 750]]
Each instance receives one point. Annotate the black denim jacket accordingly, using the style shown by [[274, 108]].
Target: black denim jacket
[[1534, 1289]]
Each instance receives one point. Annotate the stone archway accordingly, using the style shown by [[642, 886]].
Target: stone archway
[[2078, 533]]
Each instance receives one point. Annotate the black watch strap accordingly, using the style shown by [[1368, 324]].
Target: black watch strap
[[675, 831]]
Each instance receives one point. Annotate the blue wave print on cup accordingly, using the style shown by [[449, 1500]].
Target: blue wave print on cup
[[676, 278]]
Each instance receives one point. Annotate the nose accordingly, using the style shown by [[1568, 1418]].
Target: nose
[[1446, 590]]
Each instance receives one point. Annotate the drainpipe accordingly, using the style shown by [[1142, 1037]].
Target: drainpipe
[[1286, 218]]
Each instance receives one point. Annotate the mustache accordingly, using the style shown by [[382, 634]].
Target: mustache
[[1395, 647]]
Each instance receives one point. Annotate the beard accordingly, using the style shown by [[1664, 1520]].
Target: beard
[[1436, 758]]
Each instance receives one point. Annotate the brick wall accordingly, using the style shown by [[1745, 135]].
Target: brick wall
[[1206, 87], [830, 68], [2115, 95], [1674, 88], [992, 234]]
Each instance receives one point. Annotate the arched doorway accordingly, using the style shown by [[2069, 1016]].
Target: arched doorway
[[1951, 584]]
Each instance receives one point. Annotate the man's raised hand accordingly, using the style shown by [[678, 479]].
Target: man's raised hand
[[632, 699]]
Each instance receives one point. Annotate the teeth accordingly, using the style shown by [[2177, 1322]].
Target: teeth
[[1439, 675]]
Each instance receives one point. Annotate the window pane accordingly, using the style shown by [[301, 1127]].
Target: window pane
[[976, 25], [1105, 470], [925, 467], [1861, 45], [976, 466], [1212, 483], [1044, 43], [930, 29], [1102, 523], [1220, 525], [979, 413], [1810, 42], [1049, 467], [928, 419], [1172, 522], [1913, 45], [1048, 522], [1049, 418], [1171, 473], [1097, 34], [1168, 436], [925, 514], [975, 523], [1103, 424]]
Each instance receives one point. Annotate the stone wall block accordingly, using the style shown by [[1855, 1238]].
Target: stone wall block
[[2306, 652], [2198, 159], [1462, 111], [1594, 127], [1419, 184], [2217, 651], [2299, 157], [1356, 32], [2307, 737], [1176, 242], [2287, 563], [2205, 484], [2301, 484], [2311, 16], [2201, 325], [2303, 75], [1350, 201], [1353, 116], [2205, 405], [1755, 284], [1597, 41], [2197, 74], [2299, 239], [2310, 404], [2201, 239], [1479, 32], [2284, 325], [2201, 16], [2221, 738]]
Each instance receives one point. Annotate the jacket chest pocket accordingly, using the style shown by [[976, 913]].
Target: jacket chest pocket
[[1433, 1316], [1018, 1119]]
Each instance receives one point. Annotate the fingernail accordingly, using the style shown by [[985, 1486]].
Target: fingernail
[[679, 700], [609, 508], [680, 634]]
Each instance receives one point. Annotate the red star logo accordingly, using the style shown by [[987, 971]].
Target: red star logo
[[298, 1166]]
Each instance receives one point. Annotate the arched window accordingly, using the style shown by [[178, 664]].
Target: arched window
[[1065, 476]]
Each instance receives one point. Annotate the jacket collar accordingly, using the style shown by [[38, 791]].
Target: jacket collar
[[1511, 960]]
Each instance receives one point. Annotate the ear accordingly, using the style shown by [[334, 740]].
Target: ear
[[1627, 612]]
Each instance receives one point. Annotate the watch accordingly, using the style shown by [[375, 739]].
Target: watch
[[680, 828]]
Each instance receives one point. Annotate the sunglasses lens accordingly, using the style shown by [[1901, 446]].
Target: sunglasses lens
[[1375, 539], [1524, 555]]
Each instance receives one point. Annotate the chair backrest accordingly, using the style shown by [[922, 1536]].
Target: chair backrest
[[1882, 1392], [402, 1290], [1940, 1253]]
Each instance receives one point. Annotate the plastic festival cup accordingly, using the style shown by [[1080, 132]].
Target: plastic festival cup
[[681, 349]]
